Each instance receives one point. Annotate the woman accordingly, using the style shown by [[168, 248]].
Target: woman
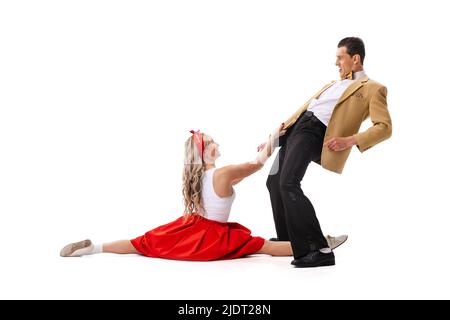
[[203, 233]]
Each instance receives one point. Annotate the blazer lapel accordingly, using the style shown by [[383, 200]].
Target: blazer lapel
[[351, 89], [323, 90]]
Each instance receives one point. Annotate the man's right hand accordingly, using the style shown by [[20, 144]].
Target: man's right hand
[[277, 133], [273, 136]]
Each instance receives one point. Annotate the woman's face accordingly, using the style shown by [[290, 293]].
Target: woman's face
[[211, 152]]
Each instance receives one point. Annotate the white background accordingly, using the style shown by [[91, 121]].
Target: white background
[[96, 101]]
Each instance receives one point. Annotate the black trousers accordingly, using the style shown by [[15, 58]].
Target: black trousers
[[293, 213]]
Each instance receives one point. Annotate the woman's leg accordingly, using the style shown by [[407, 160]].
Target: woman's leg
[[276, 248], [120, 247], [86, 247]]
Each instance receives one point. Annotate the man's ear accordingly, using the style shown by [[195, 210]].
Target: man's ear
[[356, 59]]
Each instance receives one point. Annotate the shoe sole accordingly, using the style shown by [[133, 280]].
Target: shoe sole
[[340, 244], [322, 264], [71, 248]]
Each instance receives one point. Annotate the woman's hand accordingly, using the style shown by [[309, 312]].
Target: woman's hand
[[261, 146]]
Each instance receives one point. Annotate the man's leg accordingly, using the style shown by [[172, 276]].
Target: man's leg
[[304, 229], [273, 185]]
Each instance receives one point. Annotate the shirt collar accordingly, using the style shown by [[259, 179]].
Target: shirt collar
[[354, 76], [358, 75]]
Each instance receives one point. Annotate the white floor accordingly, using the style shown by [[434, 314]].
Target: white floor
[[357, 275]]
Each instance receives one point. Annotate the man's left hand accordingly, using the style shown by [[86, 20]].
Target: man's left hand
[[340, 143]]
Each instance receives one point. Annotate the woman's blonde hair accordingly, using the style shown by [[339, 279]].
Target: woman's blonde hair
[[192, 176]]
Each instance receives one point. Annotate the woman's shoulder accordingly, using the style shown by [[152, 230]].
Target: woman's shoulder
[[221, 174], [228, 173], [221, 181], [221, 170]]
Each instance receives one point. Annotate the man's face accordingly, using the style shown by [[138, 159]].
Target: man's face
[[344, 61]]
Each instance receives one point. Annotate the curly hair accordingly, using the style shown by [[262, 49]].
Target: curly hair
[[192, 177]]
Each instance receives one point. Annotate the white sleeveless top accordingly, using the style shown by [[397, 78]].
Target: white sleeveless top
[[216, 208]]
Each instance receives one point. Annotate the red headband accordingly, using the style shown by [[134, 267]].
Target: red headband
[[198, 139]]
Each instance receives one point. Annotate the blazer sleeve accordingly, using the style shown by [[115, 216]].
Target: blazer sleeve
[[382, 124]]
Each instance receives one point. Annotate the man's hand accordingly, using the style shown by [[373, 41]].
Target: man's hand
[[340, 143], [278, 132], [273, 136]]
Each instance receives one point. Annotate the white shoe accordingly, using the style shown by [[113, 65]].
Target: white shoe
[[77, 249], [334, 242]]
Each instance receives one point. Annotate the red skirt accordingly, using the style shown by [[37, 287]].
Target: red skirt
[[198, 239]]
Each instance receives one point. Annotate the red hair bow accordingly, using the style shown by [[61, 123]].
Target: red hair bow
[[198, 140]]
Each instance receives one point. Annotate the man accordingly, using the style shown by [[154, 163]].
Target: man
[[323, 130]]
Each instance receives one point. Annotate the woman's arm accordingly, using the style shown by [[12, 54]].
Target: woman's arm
[[231, 175], [235, 182], [226, 177]]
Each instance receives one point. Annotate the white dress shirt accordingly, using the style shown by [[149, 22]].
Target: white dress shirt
[[323, 106]]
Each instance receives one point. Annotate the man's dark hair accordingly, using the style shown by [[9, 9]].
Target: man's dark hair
[[354, 46]]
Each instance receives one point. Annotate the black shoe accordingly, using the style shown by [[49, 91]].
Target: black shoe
[[314, 259]]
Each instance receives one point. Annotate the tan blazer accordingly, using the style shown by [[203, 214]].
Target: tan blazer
[[361, 99]]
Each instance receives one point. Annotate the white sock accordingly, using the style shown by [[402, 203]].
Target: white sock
[[325, 250], [92, 249], [96, 248]]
